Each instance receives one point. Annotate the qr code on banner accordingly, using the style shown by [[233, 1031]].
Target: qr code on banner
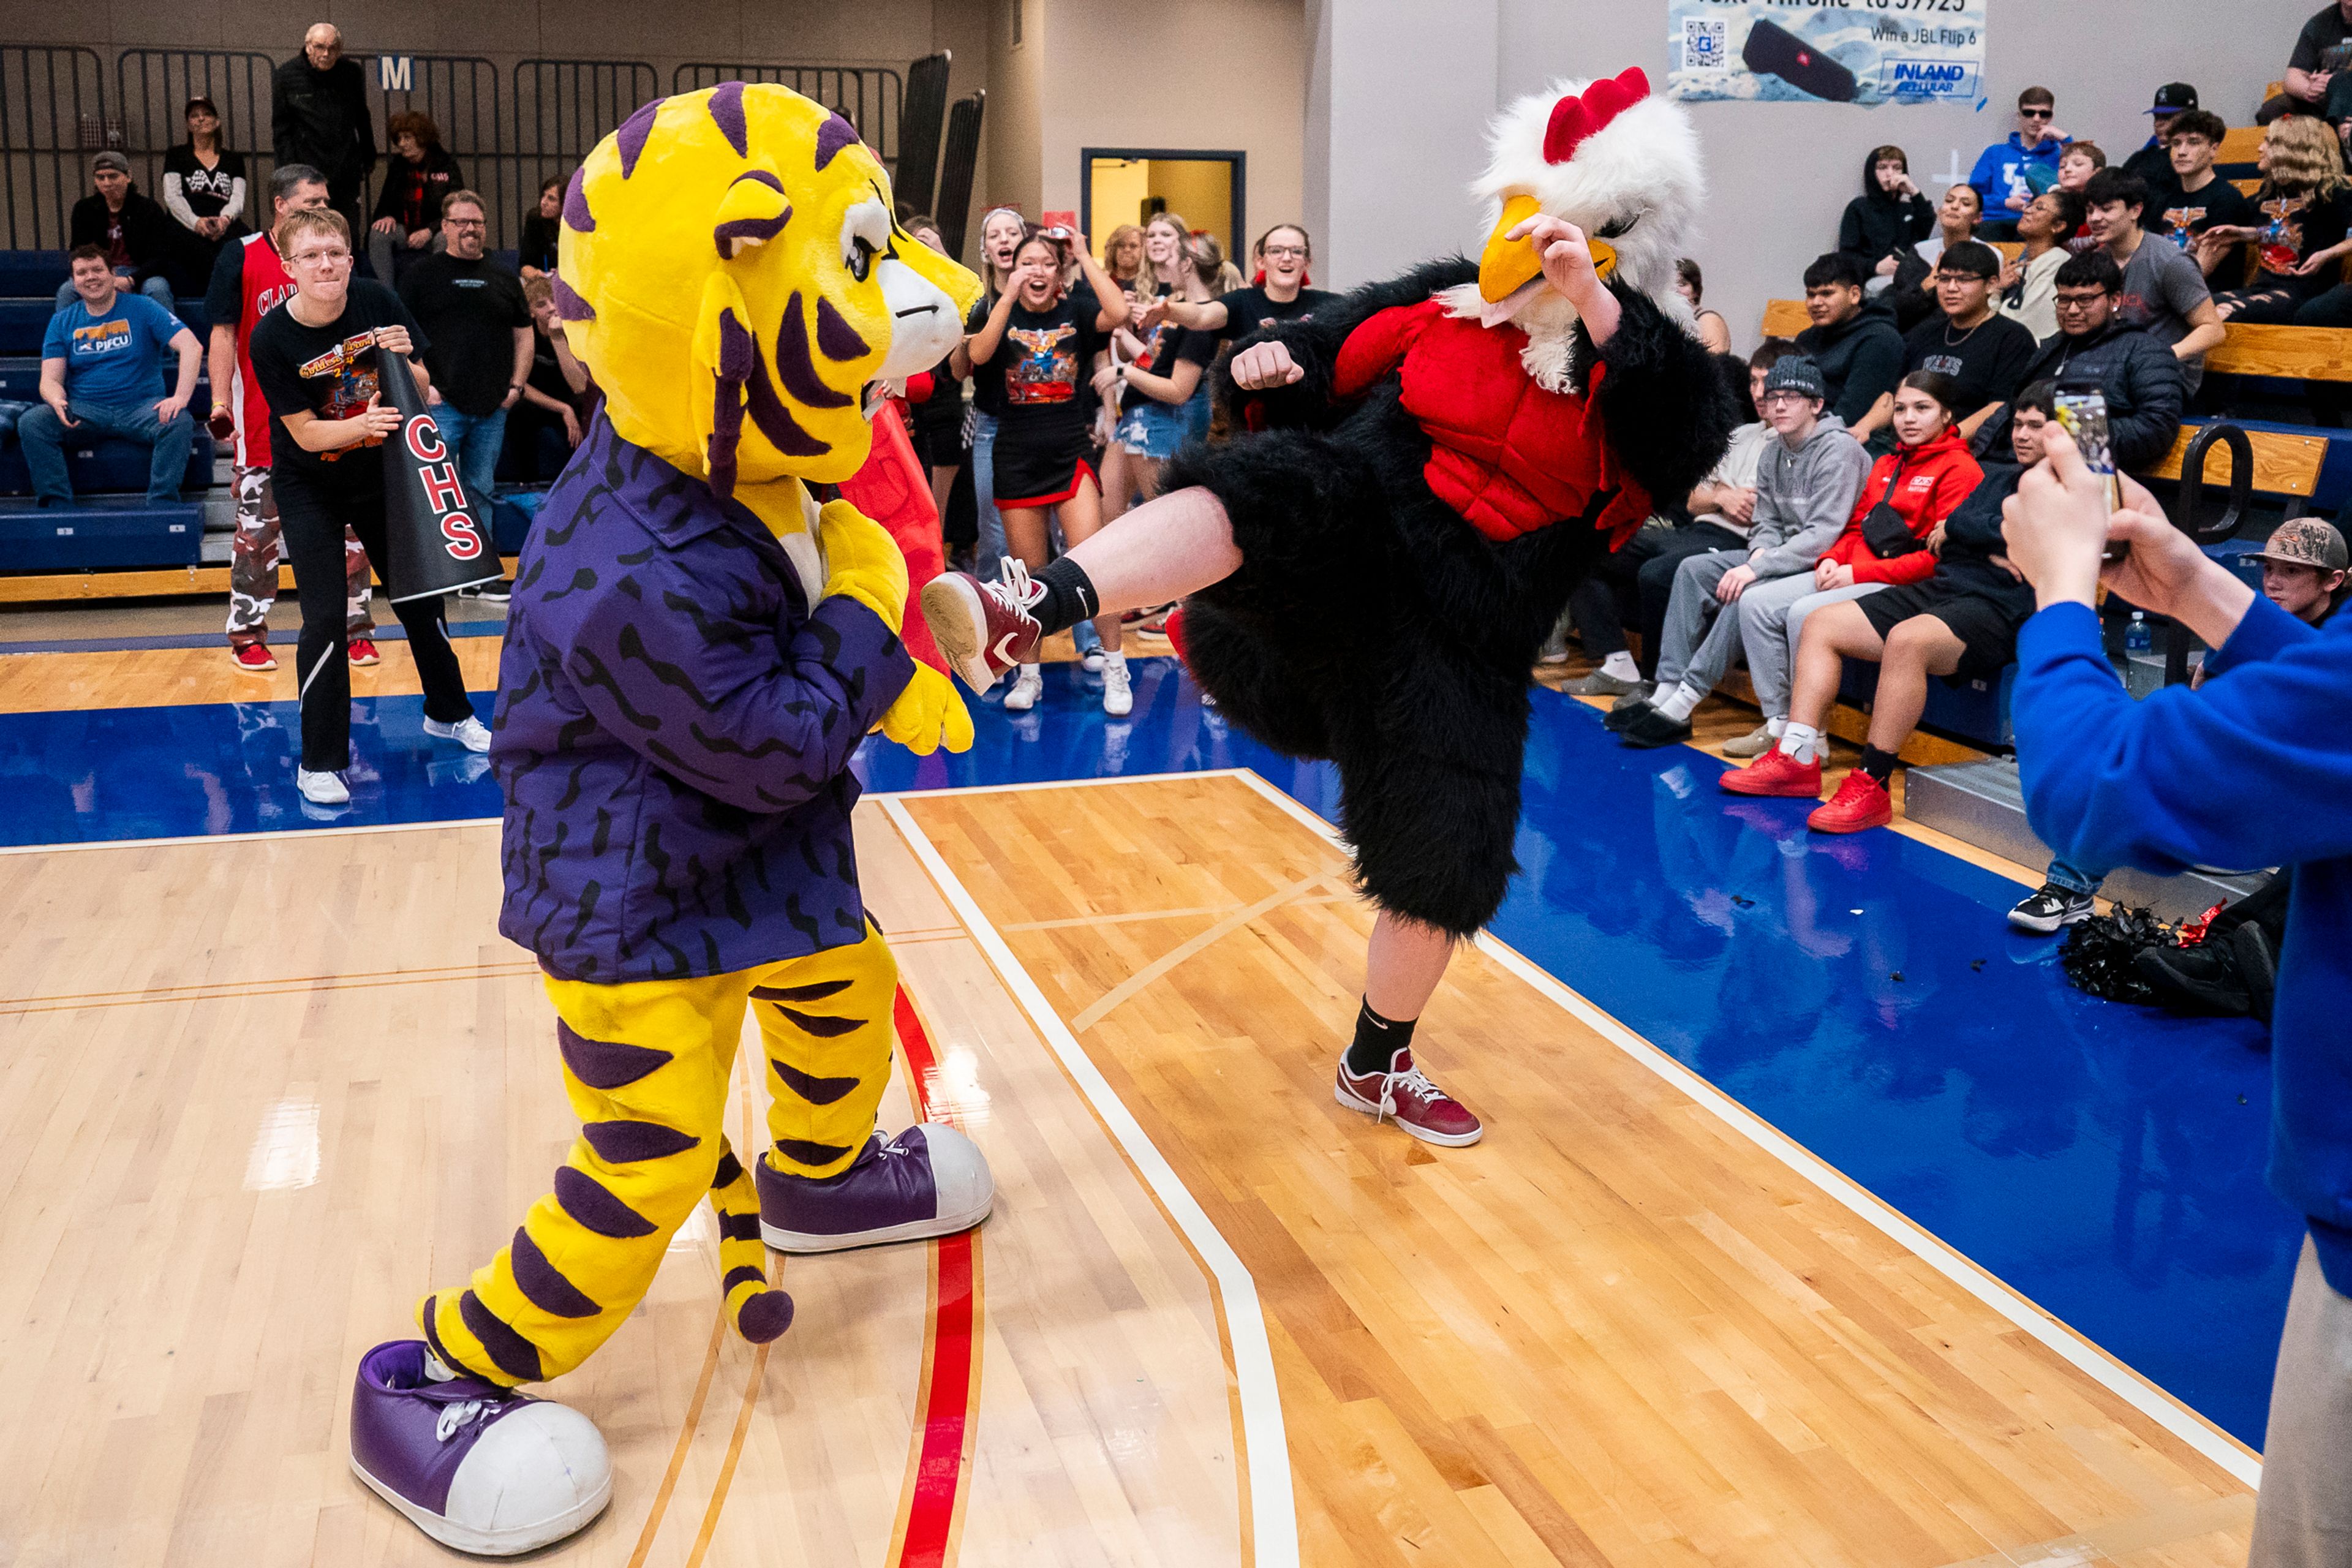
[[1704, 44]]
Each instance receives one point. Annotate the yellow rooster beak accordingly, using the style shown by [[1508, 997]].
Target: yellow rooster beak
[[1506, 266]]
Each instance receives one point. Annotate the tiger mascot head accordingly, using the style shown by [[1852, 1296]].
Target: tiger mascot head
[[732, 271]]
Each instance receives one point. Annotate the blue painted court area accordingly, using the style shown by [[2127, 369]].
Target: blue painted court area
[[1863, 994]]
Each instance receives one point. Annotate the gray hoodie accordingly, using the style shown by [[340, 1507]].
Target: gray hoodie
[[1804, 498]]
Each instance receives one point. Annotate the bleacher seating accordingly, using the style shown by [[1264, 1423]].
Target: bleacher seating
[[99, 532]]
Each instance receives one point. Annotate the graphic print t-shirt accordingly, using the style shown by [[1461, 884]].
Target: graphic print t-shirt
[[1988, 362], [116, 358], [1040, 379], [249, 280], [1248, 310], [207, 191], [330, 372]]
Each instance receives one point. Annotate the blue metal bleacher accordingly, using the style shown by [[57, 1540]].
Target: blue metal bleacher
[[99, 532]]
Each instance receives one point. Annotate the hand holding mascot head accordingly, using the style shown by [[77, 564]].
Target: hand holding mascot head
[[733, 272]]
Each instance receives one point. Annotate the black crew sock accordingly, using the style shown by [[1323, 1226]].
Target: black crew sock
[[1378, 1040], [1070, 596], [1878, 764]]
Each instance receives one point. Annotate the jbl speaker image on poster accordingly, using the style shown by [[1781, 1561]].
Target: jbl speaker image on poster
[[1772, 50], [437, 538]]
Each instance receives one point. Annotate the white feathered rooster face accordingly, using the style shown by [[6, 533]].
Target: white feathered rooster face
[[1606, 156]]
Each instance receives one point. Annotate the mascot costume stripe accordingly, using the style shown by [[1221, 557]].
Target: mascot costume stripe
[[700, 637], [1434, 462]]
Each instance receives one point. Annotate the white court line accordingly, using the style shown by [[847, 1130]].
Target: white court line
[[262, 835], [1274, 1518], [2113, 1376], [1050, 783]]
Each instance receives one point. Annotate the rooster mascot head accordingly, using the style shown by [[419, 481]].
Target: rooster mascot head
[[1608, 157]]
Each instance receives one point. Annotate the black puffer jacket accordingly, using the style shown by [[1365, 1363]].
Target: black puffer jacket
[[2141, 379]]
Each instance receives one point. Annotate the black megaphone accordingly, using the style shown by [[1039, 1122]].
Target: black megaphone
[[437, 537]]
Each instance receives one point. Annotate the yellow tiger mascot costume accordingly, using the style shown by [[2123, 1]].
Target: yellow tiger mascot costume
[[697, 641]]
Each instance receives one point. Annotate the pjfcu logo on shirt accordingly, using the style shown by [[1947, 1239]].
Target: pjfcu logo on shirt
[[436, 471], [105, 338]]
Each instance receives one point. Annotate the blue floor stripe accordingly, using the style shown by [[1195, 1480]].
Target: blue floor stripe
[[1861, 994]]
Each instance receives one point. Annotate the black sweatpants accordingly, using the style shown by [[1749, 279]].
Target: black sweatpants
[[311, 530], [1631, 586]]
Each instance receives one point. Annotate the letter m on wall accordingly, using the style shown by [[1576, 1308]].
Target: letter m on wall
[[394, 73]]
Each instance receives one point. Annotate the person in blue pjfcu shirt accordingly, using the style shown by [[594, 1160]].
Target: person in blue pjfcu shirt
[[2011, 173], [102, 373], [2250, 769]]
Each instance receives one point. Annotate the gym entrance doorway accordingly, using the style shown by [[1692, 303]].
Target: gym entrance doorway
[[1134, 184]]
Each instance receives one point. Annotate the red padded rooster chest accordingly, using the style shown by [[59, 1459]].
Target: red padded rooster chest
[[1507, 454]]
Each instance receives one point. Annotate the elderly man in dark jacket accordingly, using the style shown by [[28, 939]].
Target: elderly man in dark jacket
[[318, 116], [140, 241], [2141, 378]]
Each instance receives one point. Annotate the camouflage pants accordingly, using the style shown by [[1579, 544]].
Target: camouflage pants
[[253, 567]]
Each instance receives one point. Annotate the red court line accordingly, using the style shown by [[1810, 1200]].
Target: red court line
[[946, 1423]]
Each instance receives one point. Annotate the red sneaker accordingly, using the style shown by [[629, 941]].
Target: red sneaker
[[983, 628], [363, 652], [1861, 802], [1775, 773], [1404, 1095], [255, 657]]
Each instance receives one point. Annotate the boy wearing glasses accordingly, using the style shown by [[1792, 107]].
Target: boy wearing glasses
[[2141, 378], [478, 326], [2008, 174]]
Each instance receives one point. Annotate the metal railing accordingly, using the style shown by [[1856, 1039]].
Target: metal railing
[[868, 97], [152, 89], [52, 116]]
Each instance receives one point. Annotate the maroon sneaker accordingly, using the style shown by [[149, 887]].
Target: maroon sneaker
[[1404, 1095], [983, 628]]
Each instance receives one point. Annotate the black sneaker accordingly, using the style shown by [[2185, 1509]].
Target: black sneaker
[[1645, 726], [2199, 981], [2257, 965], [498, 592], [2049, 907], [1624, 713]]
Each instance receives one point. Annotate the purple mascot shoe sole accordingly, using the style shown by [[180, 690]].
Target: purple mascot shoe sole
[[929, 1180], [476, 1467]]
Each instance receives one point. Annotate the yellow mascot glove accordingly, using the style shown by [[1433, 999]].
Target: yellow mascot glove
[[928, 715], [862, 561]]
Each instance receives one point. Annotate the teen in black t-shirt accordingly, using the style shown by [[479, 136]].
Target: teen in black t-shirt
[[1280, 293], [1030, 356], [1984, 351], [472, 310], [320, 359]]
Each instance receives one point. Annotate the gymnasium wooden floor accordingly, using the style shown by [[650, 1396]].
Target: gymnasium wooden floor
[[1215, 1318]]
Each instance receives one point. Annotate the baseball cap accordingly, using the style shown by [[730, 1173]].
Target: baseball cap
[[198, 99], [111, 158], [2172, 97], [2307, 542], [1797, 373]]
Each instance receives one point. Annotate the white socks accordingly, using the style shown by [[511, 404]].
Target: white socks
[[1802, 742], [1620, 665], [1776, 728], [1678, 704]]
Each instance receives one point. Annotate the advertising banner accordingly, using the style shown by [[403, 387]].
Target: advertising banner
[[1826, 51]]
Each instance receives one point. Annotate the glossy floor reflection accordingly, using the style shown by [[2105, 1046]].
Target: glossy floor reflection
[[1863, 994]]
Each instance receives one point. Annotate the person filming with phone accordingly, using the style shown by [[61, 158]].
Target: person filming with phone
[[2253, 768]]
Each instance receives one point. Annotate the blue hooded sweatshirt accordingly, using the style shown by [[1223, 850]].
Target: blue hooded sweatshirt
[[2000, 166], [2253, 768]]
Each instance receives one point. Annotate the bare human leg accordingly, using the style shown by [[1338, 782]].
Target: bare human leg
[[1162, 551], [1402, 964], [1916, 650]]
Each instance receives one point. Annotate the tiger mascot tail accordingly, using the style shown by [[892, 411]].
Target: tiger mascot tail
[[700, 637]]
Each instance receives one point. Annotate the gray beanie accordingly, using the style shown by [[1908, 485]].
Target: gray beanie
[[1797, 374]]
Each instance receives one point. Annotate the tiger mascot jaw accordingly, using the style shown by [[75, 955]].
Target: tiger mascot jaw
[[695, 648]]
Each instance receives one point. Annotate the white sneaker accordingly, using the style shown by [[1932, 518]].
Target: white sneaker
[[469, 732], [321, 789], [1092, 661], [1026, 689], [1118, 692]]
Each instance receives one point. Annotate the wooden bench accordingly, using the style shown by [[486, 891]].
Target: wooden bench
[[2294, 353], [1785, 318]]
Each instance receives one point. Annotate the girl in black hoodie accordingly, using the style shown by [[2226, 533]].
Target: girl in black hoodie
[[1888, 219]]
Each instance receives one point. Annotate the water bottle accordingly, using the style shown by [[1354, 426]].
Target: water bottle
[[2137, 638]]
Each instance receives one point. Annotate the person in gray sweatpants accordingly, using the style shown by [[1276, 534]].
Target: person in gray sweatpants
[[1804, 494]]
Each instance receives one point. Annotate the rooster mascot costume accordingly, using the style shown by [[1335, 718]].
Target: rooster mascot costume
[[1433, 464], [701, 633]]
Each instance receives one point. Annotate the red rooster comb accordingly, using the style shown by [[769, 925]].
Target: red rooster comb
[[1574, 119]]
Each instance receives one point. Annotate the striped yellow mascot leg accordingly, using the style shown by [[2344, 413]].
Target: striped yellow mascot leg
[[695, 646]]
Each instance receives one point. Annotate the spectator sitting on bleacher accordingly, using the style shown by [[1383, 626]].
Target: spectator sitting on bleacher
[[1883, 225], [546, 425], [1914, 294], [1630, 588], [2163, 289], [2029, 284], [2305, 212], [1805, 488], [1853, 342], [203, 188], [2153, 163], [1984, 352], [2012, 173], [542, 231], [2188, 197], [2139, 375], [479, 343], [1960, 623], [318, 116], [103, 370], [2321, 51], [408, 208], [134, 234]]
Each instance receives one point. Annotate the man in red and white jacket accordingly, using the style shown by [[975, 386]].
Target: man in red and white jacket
[[248, 282]]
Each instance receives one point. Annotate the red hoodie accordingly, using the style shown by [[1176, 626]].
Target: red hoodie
[[1923, 484]]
